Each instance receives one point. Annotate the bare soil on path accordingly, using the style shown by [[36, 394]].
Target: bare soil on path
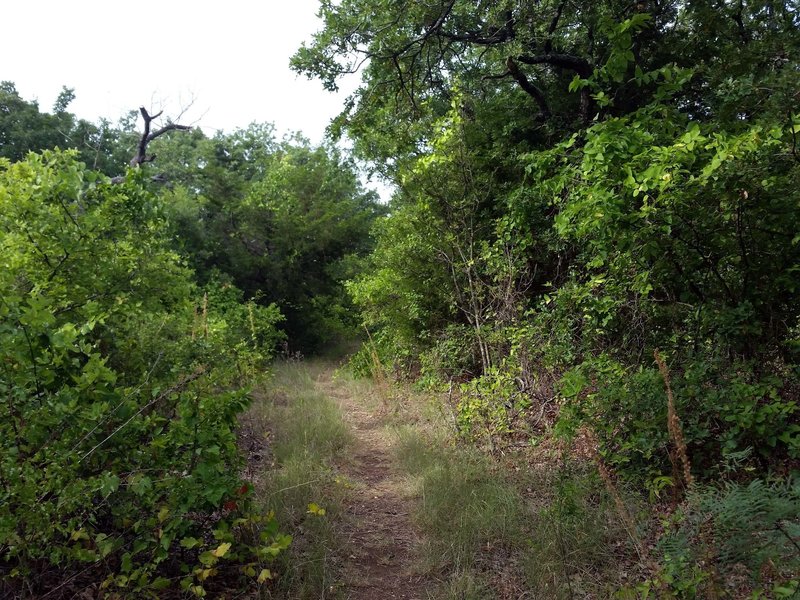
[[381, 539]]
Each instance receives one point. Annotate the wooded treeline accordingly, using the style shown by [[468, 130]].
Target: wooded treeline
[[593, 245], [138, 307], [586, 190]]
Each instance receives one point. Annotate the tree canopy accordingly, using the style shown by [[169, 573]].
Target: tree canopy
[[595, 201], [593, 249]]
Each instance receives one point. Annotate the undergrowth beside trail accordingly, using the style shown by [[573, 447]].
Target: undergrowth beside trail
[[497, 530], [304, 434]]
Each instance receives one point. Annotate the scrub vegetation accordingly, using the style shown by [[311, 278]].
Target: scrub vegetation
[[573, 331]]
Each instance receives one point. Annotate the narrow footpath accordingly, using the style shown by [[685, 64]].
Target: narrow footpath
[[381, 539]]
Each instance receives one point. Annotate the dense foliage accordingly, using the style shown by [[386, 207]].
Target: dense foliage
[[594, 240], [135, 313], [118, 421], [25, 128], [580, 188], [285, 221]]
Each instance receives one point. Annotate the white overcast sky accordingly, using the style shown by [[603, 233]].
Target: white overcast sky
[[231, 56]]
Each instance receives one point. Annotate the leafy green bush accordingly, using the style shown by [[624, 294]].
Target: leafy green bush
[[489, 405], [724, 409], [247, 328], [117, 440], [452, 356]]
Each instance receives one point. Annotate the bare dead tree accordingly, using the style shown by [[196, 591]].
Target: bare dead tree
[[148, 136]]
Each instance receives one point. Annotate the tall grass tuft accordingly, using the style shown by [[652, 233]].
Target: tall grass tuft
[[495, 532], [306, 435], [464, 505]]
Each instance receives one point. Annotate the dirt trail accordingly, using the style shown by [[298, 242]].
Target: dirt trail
[[381, 540]]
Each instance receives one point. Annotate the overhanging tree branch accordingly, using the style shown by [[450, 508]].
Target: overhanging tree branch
[[530, 88], [548, 45], [581, 66], [565, 61]]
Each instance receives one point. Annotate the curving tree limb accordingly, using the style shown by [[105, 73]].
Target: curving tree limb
[[148, 136], [531, 89]]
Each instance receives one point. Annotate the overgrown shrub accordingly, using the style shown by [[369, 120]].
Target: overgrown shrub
[[117, 444]]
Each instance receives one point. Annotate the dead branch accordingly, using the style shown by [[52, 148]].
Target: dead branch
[[148, 136]]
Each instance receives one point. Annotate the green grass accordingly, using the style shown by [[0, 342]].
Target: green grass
[[463, 505], [488, 538], [580, 547], [306, 434], [469, 512], [465, 585], [489, 529]]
